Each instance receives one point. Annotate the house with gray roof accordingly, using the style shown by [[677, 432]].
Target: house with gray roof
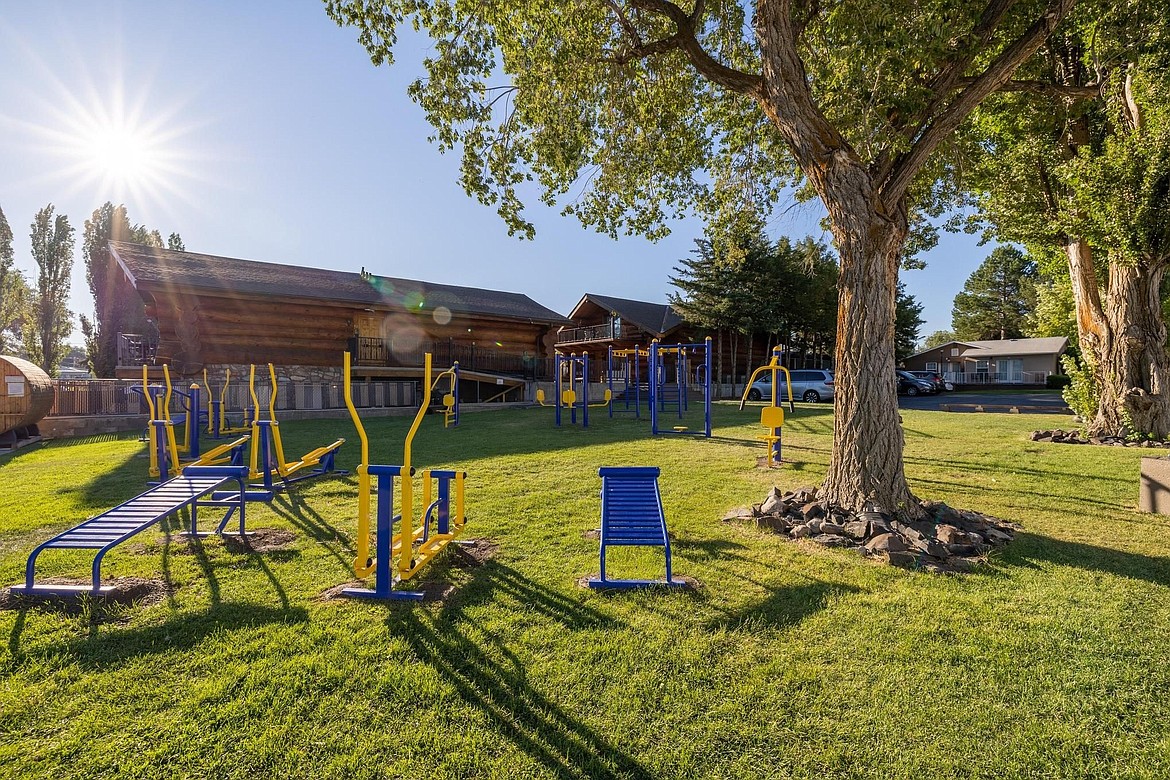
[[993, 362]]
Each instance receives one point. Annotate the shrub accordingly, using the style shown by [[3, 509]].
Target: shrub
[[1057, 381], [1081, 394]]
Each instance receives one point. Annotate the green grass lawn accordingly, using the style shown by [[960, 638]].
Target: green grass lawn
[[791, 661]]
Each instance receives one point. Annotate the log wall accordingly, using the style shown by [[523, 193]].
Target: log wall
[[199, 330]]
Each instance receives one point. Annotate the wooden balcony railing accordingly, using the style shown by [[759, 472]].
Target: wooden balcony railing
[[373, 352]]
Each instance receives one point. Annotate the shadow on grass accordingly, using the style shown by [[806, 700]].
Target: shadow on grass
[[493, 680], [783, 607], [293, 508], [1028, 550], [107, 648], [114, 485]]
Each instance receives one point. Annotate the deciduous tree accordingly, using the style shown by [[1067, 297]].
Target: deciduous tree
[[117, 307], [1080, 165], [49, 324], [13, 291], [643, 109]]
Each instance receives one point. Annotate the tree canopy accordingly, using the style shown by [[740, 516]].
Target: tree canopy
[[50, 322], [13, 291], [628, 113], [117, 308]]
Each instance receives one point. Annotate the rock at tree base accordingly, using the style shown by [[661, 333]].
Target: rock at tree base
[[951, 541]]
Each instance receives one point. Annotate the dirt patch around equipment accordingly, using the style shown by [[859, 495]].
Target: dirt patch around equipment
[[125, 592], [689, 584], [468, 554], [262, 540]]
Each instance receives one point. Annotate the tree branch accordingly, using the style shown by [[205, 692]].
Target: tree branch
[[1045, 88], [996, 75], [684, 40]]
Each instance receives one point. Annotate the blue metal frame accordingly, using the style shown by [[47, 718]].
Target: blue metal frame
[[572, 361], [269, 466], [114, 526], [632, 515], [658, 400], [385, 574], [625, 376]]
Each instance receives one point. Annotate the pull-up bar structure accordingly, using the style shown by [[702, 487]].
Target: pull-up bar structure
[[660, 355]]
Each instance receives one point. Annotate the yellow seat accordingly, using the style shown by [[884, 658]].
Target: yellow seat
[[772, 418], [568, 397]]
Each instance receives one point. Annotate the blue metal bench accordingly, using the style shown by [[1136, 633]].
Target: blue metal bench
[[111, 528], [631, 515]]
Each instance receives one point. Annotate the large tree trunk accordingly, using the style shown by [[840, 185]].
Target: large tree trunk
[[867, 430], [1124, 336]]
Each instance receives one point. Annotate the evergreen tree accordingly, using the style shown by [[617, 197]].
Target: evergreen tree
[[49, 324], [907, 321], [997, 299]]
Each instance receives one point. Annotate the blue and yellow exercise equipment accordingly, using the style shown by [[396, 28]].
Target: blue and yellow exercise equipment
[[676, 359], [267, 462], [400, 556], [217, 415], [629, 373], [166, 456], [772, 416], [571, 386]]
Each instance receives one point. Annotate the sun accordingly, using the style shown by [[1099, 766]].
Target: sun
[[121, 155]]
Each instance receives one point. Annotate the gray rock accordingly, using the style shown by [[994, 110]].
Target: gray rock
[[739, 513], [812, 509], [773, 523], [886, 543], [858, 529], [930, 546], [832, 540], [948, 534], [800, 532], [904, 559], [832, 528], [773, 505]]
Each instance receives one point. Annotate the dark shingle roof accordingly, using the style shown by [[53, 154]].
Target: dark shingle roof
[[151, 266], [658, 318]]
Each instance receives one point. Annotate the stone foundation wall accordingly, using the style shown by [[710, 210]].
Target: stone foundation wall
[[294, 374]]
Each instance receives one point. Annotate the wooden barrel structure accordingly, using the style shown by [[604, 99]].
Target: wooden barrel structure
[[26, 396]]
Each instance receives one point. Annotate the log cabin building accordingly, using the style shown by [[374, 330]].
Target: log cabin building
[[216, 312], [602, 321]]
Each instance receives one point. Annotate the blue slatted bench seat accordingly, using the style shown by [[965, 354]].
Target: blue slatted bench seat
[[631, 515], [111, 528]]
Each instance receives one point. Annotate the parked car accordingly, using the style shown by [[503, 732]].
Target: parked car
[[809, 385], [912, 385], [937, 379]]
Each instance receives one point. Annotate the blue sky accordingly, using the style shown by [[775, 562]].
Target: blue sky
[[270, 136]]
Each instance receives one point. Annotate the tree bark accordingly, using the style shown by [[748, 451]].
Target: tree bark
[[1124, 335], [866, 466]]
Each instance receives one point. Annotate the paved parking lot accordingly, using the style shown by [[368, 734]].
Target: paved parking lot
[[1034, 402]]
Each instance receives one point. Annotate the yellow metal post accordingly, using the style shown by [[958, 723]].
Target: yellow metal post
[[362, 565]]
